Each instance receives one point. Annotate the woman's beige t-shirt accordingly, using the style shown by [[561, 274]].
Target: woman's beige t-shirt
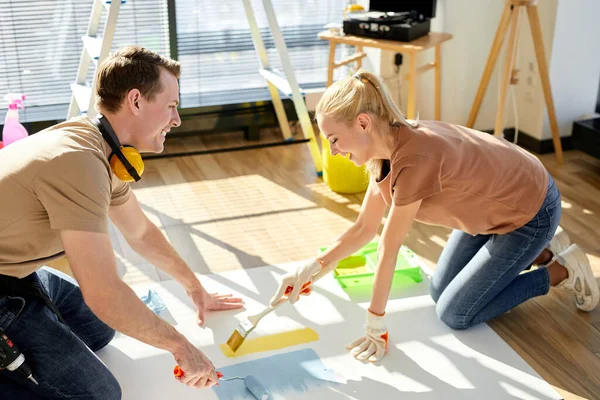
[[467, 180]]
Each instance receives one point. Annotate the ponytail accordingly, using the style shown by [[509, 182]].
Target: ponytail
[[364, 92]]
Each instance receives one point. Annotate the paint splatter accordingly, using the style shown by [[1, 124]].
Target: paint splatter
[[272, 342], [297, 371]]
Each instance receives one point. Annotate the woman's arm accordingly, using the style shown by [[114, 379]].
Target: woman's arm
[[294, 283], [364, 229], [398, 224]]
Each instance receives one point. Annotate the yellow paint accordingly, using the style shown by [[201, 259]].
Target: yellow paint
[[272, 342]]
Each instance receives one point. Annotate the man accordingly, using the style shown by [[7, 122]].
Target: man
[[57, 191]]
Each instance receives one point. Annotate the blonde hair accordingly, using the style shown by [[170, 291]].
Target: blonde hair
[[363, 92]]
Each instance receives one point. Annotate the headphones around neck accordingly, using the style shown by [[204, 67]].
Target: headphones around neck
[[125, 161]]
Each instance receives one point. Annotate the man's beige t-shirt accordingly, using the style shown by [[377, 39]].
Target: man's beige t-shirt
[[57, 179], [467, 180]]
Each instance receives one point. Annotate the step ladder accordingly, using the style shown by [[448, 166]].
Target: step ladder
[[285, 83], [95, 49]]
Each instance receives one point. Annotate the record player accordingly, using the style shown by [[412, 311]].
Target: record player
[[400, 20]]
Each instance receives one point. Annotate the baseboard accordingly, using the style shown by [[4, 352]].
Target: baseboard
[[534, 144], [586, 136], [232, 117], [210, 119]]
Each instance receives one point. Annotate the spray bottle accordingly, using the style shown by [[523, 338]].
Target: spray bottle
[[13, 130]]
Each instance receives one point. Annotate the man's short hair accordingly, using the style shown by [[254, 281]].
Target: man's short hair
[[132, 67]]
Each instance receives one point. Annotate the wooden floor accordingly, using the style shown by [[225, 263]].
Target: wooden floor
[[257, 207]]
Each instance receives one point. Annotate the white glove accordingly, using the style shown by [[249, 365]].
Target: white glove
[[373, 345], [294, 283]]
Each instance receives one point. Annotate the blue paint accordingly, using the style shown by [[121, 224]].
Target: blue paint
[[256, 388], [297, 371], [154, 301]]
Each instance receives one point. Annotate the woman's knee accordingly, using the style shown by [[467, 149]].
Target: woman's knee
[[434, 291], [452, 316]]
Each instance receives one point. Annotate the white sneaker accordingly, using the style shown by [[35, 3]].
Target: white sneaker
[[560, 241], [581, 281]]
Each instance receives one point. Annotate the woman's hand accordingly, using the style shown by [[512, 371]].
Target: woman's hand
[[373, 345], [299, 282]]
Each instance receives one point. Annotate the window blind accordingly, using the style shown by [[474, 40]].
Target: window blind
[[40, 47], [219, 63]]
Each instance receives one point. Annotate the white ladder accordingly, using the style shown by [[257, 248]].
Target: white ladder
[[95, 50], [286, 84]]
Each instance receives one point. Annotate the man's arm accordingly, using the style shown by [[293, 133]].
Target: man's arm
[[147, 240], [92, 261]]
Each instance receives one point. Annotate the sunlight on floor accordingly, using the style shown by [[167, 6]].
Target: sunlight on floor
[[323, 189], [238, 222]]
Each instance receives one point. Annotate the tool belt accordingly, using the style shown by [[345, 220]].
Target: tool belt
[[30, 286]]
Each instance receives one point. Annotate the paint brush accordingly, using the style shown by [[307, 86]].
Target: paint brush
[[246, 326]]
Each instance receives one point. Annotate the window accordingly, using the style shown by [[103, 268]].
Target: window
[[218, 58], [40, 47]]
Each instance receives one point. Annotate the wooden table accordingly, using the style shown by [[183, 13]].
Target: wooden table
[[433, 39]]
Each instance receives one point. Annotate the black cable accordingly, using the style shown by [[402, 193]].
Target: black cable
[[18, 313]]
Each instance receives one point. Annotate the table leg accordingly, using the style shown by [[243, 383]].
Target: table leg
[[438, 83], [331, 63], [359, 49], [412, 78]]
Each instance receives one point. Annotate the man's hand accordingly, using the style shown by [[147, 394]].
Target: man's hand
[[373, 345], [199, 371], [212, 302], [299, 281]]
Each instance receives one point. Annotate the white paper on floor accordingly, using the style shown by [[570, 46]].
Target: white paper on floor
[[425, 360]]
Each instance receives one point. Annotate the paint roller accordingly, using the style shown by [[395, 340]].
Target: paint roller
[[251, 383], [253, 386]]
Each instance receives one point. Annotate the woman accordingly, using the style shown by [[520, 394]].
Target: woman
[[502, 204]]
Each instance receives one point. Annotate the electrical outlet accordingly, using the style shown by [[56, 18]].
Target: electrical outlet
[[528, 97]]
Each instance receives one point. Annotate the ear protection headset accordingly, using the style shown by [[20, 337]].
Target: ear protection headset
[[125, 161]]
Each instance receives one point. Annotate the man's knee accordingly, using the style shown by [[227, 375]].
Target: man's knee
[[101, 337], [106, 387], [113, 390]]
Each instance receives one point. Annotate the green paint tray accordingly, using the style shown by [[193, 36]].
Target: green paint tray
[[357, 259], [351, 274]]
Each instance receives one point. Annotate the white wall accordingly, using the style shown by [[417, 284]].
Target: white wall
[[570, 32], [473, 25], [575, 63], [530, 98]]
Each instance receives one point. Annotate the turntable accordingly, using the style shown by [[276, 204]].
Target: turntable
[[400, 20]]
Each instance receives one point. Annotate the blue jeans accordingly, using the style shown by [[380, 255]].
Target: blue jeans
[[479, 277], [61, 356]]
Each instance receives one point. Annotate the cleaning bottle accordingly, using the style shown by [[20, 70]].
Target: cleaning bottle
[[13, 130]]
